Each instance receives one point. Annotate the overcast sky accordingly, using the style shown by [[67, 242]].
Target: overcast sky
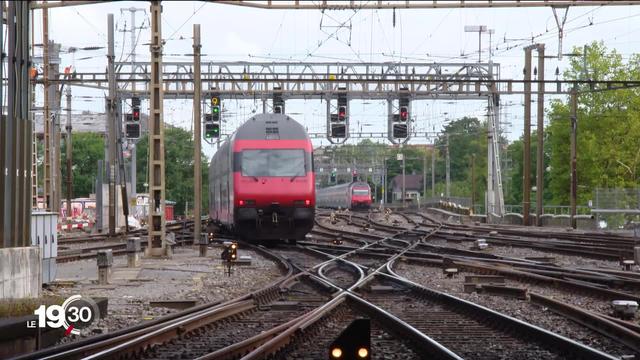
[[233, 33]]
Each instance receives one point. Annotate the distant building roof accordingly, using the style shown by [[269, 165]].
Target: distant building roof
[[412, 182]]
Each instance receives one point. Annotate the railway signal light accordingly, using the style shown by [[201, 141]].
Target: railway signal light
[[215, 107], [354, 175], [338, 130], [211, 130], [135, 108], [404, 113], [354, 342], [399, 130], [278, 101], [132, 130], [233, 252], [342, 113], [333, 176]]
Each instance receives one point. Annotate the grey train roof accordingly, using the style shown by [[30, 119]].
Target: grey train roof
[[270, 127]]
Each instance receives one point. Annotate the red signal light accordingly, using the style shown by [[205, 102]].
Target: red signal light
[[404, 113], [342, 113], [136, 115]]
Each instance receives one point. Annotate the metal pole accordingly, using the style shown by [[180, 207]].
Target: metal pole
[[25, 91], [473, 182], [448, 175], [197, 139], [46, 117], [9, 171], [69, 154], [157, 240], [134, 158], [99, 197], [424, 174], [404, 183], [480, 46], [526, 166], [34, 150], [4, 240], [540, 135], [111, 123], [574, 174], [433, 172]]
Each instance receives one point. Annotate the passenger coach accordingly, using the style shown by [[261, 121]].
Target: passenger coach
[[355, 195]]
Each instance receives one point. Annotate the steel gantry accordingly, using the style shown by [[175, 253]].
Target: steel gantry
[[323, 81]]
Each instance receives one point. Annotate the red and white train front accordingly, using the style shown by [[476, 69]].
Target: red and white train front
[[360, 195], [271, 183]]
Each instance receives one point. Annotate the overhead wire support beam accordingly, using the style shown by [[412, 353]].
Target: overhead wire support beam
[[413, 4], [246, 80]]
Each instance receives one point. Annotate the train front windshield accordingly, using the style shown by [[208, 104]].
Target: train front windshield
[[273, 162], [360, 191]]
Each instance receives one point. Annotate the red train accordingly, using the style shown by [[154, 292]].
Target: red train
[[355, 195], [261, 180]]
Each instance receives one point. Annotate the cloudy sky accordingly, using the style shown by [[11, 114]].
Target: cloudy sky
[[233, 33]]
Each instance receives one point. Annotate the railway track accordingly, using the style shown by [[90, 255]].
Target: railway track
[[327, 285]]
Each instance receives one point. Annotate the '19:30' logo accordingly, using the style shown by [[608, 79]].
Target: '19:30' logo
[[75, 314]]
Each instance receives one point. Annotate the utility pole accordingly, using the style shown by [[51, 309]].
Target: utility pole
[[404, 183], [526, 166], [69, 154], [424, 174], [157, 240], [473, 182], [574, 174], [132, 56], [448, 163], [433, 172], [540, 135], [197, 139], [111, 124], [46, 117], [34, 150]]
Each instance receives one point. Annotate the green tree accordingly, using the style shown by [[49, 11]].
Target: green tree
[[88, 148], [467, 136], [608, 145], [178, 168], [514, 172]]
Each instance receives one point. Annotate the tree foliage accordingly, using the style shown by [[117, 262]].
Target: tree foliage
[[608, 145], [87, 149], [467, 136], [178, 168]]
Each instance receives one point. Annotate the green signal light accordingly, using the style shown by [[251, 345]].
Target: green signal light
[[216, 109]]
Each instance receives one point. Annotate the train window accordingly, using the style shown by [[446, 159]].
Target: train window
[[273, 162], [360, 191]]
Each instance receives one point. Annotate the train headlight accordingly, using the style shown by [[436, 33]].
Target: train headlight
[[336, 353], [307, 202], [363, 352]]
